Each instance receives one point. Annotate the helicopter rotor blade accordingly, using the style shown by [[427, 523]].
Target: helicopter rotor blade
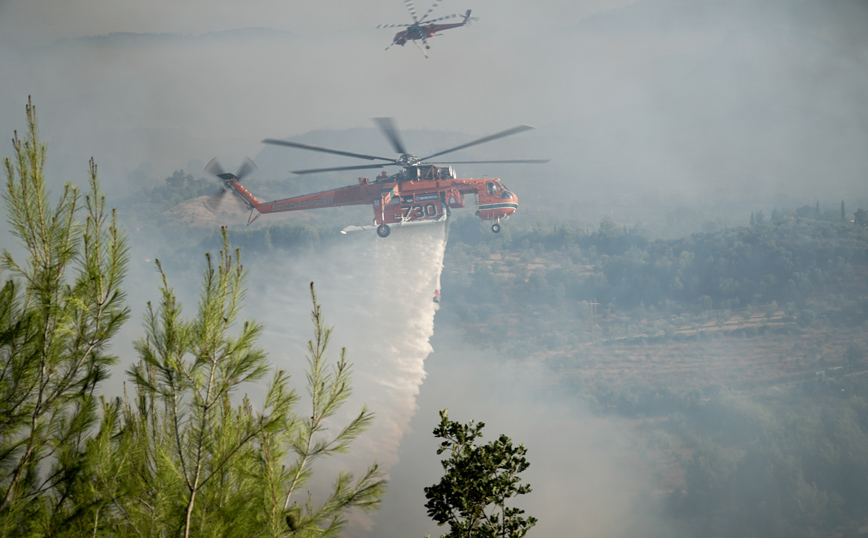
[[387, 125], [412, 8], [430, 9], [489, 138], [509, 161], [215, 200], [287, 143], [339, 168], [213, 167], [247, 166], [393, 25], [444, 18]]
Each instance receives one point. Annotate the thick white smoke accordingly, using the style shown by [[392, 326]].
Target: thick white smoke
[[378, 295]]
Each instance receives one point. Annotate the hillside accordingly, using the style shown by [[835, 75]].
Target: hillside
[[737, 356]]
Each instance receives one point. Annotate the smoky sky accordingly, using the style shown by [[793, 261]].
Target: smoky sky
[[701, 98], [53, 20]]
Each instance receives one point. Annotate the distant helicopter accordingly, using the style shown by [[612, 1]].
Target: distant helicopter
[[419, 31]]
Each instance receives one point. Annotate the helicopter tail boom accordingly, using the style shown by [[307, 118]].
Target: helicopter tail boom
[[242, 193]]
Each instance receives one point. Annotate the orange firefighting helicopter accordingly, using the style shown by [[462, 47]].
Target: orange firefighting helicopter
[[421, 192], [421, 29]]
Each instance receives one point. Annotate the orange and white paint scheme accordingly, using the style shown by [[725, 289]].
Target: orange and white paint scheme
[[422, 192]]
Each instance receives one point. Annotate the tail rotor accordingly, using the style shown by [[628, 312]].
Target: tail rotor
[[214, 168]]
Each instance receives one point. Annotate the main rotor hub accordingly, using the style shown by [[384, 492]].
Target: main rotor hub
[[407, 160]]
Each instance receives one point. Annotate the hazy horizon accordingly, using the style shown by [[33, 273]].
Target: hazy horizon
[[643, 107], [652, 96]]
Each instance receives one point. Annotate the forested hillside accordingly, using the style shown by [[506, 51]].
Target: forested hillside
[[737, 356]]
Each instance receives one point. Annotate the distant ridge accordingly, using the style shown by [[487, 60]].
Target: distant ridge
[[134, 39]]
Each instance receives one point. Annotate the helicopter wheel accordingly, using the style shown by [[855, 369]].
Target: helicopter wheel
[[383, 230], [495, 228]]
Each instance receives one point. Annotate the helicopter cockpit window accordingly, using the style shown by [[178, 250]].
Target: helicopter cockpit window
[[492, 189], [506, 195]]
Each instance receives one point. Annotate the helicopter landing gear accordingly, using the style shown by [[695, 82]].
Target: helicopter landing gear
[[383, 230], [495, 227]]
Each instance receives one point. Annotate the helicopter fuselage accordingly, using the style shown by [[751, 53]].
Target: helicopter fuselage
[[421, 191], [418, 31], [399, 202]]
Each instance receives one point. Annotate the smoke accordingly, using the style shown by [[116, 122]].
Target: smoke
[[649, 100], [378, 296], [642, 106], [590, 476]]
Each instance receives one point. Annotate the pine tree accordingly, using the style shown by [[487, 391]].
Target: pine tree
[[181, 438], [478, 481], [179, 459], [304, 441], [183, 453], [58, 313]]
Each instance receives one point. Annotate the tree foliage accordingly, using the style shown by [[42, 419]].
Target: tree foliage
[[180, 459], [540, 280], [784, 467], [184, 452], [57, 314], [478, 482]]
